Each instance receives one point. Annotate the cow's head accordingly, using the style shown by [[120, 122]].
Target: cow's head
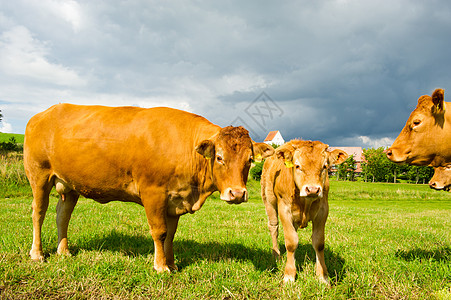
[[441, 179], [310, 163], [230, 154], [421, 139]]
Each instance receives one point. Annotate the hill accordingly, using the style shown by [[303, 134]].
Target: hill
[[4, 137]]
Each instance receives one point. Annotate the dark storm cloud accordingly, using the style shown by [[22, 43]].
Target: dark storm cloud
[[344, 72]]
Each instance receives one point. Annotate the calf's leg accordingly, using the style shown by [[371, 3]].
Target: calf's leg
[[291, 243], [319, 224], [273, 224]]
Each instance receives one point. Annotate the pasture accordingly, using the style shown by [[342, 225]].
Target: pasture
[[383, 241]]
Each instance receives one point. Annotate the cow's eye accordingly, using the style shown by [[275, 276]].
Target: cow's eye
[[416, 122], [298, 167], [219, 159]]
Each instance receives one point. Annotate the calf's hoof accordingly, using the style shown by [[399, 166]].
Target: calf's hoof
[[288, 279], [324, 280], [36, 255]]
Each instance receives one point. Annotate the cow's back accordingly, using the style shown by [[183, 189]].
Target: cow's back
[[113, 150]]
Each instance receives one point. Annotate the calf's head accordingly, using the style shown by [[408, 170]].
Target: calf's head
[[421, 139], [230, 154], [310, 163], [441, 179]]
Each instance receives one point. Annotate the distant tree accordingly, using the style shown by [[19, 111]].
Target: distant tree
[[420, 174], [346, 169], [256, 170], [375, 163], [1, 116]]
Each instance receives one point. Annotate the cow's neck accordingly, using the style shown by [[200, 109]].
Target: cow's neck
[[444, 139], [204, 182]]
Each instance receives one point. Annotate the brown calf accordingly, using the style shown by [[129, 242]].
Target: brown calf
[[295, 187]]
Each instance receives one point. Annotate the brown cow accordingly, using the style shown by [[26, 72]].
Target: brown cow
[[426, 137], [441, 179], [295, 187], [167, 160]]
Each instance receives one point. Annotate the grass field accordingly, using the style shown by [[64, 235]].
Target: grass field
[[4, 137], [383, 241]]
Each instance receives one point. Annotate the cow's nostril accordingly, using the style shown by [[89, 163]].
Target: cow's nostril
[[389, 152], [312, 190]]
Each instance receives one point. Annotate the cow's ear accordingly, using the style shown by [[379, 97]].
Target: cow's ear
[[261, 150], [286, 154], [337, 156], [438, 98], [206, 148]]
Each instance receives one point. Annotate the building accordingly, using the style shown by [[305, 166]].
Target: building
[[358, 155], [274, 137]]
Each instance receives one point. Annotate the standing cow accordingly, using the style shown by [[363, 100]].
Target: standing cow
[[295, 187], [167, 160], [426, 137]]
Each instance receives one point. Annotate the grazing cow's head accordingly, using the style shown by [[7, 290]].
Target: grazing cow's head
[[441, 179], [421, 140], [310, 163], [231, 153]]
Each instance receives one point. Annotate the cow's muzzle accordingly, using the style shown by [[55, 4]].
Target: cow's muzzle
[[311, 191], [436, 186], [234, 196]]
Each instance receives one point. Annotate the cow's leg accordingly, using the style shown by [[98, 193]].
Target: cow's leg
[[41, 191], [291, 242], [64, 210], [171, 223], [273, 222], [155, 204], [319, 224]]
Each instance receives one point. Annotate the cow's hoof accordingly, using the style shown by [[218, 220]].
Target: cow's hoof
[[173, 268], [64, 252], [288, 279], [324, 280], [162, 269], [36, 255]]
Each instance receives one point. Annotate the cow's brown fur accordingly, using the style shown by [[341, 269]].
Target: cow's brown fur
[[441, 179], [426, 137], [167, 160], [295, 187]]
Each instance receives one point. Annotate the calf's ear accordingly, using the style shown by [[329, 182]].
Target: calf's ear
[[261, 150], [206, 148], [337, 156], [438, 98], [286, 154]]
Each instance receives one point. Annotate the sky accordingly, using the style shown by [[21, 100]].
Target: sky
[[347, 73]]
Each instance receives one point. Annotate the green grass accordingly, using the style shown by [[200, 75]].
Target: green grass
[[4, 137], [383, 241]]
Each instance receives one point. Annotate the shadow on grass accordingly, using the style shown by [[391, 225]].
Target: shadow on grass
[[188, 252], [305, 254], [443, 254]]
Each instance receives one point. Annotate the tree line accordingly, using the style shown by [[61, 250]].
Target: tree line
[[378, 168]]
